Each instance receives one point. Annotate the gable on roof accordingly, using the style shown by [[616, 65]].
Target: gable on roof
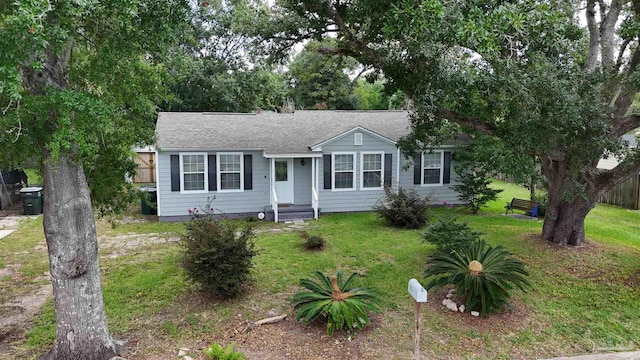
[[354, 132]]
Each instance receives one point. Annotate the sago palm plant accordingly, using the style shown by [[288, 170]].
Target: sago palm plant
[[334, 299], [483, 275]]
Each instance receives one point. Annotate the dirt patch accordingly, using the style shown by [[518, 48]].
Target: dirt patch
[[633, 280]]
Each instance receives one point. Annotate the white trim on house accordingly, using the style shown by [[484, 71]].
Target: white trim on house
[[184, 149], [204, 173], [398, 170], [218, 172], [283, 156], [423, 168], [362, 171], [333, 171], [157, 171], [318, 146]]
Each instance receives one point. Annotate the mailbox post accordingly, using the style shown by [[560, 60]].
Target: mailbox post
[[419, 295]]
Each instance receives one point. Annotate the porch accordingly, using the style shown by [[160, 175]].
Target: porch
[[293, 187]]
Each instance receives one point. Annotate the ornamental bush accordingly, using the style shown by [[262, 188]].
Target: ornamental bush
[[474, 191], [217, 253], [312, 242], [217, 352], [448, 234], [403, 209], [483, 275], [336, 300]]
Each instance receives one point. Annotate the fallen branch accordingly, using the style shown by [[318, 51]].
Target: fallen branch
[[270, 320]]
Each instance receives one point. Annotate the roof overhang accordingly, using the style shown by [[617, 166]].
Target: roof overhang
[[292, 155], [187, 149]]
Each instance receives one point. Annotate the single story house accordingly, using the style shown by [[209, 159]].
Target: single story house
[[287, 166]]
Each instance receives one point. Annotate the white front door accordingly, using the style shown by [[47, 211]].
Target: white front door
[[284, 180]]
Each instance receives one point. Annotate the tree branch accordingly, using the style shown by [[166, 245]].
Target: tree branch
[[608, 179], [607, 32], [467, 121], [594, 36]]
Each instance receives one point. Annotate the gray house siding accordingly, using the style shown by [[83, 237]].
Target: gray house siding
[[437, 193], [302, 181], [174, 205], [358, 199]]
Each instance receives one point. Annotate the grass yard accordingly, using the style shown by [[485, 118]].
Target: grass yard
[[583, 300]]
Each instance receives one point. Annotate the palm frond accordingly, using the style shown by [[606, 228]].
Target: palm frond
[[487, 290], [341, 305]]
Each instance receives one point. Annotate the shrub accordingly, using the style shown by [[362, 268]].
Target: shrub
[[217, 254], [312, 242], [543, 198], [403, 209], [335, 300], [217, 352], [474, 190], [483, 275], [448, 235]]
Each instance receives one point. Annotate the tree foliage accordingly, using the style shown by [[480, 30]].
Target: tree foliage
[[523, 74], [79, 80]]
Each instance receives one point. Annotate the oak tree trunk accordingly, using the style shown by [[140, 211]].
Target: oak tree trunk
[[70, 231], [564, 219], [69, 226]]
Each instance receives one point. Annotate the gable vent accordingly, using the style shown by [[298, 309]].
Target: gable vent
[[357, 139]]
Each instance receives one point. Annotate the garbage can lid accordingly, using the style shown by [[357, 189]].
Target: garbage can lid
[[31, 189]]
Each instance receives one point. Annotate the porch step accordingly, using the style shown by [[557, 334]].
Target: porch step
[[297, 215], [290, 213]]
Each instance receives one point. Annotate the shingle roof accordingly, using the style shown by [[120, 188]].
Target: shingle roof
[[274, 133]]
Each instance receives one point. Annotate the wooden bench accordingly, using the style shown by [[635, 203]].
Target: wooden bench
[[525, 205]]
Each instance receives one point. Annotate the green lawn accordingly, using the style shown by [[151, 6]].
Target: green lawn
[[582, 300]]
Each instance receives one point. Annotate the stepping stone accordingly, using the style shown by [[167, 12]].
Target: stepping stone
[[5, 233]]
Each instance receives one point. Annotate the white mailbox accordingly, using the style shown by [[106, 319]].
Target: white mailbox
[[417, 291]]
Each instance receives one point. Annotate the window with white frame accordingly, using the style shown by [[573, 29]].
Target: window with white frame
[[371, 170], [344, 173], [432, 168], [194, 171], [229, 171]]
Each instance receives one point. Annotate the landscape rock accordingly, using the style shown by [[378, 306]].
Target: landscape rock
[[475, 313], [187, 357], [461, 308], [452, 306], [449, 295], [183, 352], [446, 301]]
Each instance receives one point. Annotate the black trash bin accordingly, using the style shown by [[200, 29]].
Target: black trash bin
[[149, 204], [31, 200]]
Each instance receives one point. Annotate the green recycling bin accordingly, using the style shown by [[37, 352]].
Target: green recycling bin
[[31, 200], [149, 204]]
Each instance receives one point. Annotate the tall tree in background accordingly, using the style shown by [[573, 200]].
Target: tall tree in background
[[525, 73], [321, 80], [78, 84], [219, 66]]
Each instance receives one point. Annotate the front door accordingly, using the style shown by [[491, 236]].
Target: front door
[[284, 180]]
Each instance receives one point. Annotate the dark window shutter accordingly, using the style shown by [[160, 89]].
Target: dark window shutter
[[248, 173], [446, 177], [417, 169], [327, 171], [388, 159], [175, 172], [213, 184]]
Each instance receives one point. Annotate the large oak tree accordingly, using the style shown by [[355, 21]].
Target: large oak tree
[[78, 84], [551, 81]]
